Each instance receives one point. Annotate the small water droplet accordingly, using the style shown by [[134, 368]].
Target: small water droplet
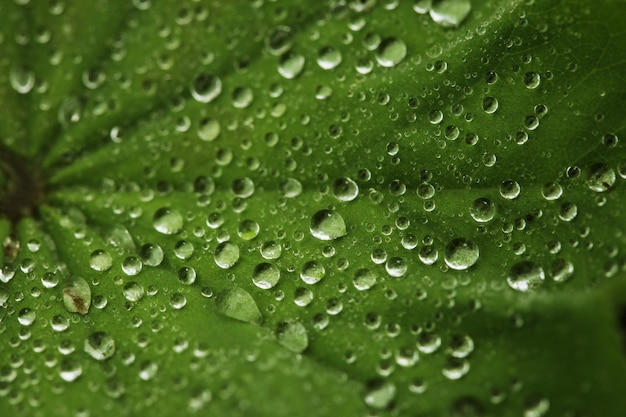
[[290, 65], [510, 189], [601, 178], [329, 57], [100, 260], [328, 225], [455, 368], [22, 79], [364, 279], [552, 191], [26, 316], [70, 369], [490, 105], [532, 80], [345, 189], [562, 270]]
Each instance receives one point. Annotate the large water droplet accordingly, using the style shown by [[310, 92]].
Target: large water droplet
[[238, 304], [461, 254], [601, 178], [482, 210], [265, 275], [328, 225], [167, 221], [292, 335], [379, 393], [390, 52], [290, 65], [100, 346], [206, 87], [450, 13], [100, 260], [525, 276], [345, 189], [226, 254], [312, 272], [328, 57], [364, 279]]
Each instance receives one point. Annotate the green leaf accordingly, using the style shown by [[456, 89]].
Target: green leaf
[[322, 208]]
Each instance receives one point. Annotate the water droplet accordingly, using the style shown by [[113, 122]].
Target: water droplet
[[290, 188], [248, 229], [428, 342], [178, 301], [568, 211], [396, 267], [379, 393], [461, 345], [449, 13], [265, 275], [151, 254], [490, 105], [100, 260], [552, 191], [243, 187], [70, 369], [328, 58], [242, 97], [59, 323], [345, 189], [290, 65], [312, 272], [148, 370], [328, 225], [132, 266], [26, 316], [525, 276], [532, 80], [206, 87], [167, 221], [238, 304], [100, 346], [364, 279], [510, 189], [390, 52], [208, 129], [562, 270], [279, 40], [292, 335], [187, 275], [455, 368], [226, 254], [133, 291], [77, 296], [461, 254], [22, 79], [428, 254], [482, 210], [271, 250], [601, 178]]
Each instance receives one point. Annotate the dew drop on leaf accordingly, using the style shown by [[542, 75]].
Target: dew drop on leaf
[[167, 221], [100, 260], [364, 279], [133, 291], [151, 254], [279, 40], [271, 250], [510, 189], [290, 65], [206, 87], [226, 254], [187, 275], [265, 275], [290, 188], [561, 270], [327, 225], [99, 345], [455, 368], [396, 266], [428, 342], [525, 276], [482, 210], [26, 316], [461, 345], [379, 393], [292, 335], [449, 13], [178, 301], [490, 105], [345, 189], [312, 272], [238, 304], [328, 57], [77, 295], [209, 129], [532, 80], [22, 79], [461, 254], [390, 52], [70, 369], [552, 191]]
